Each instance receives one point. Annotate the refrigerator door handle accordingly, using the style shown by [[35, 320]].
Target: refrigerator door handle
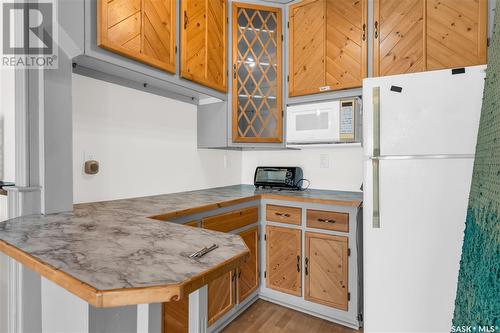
[[376, 121], [375, 158], [376, 194]]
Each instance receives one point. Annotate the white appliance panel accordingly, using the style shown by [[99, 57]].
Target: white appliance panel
[[436, 113], [411, 263], [318, 122]]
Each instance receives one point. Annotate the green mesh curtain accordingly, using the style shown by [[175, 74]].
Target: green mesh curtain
[[478, 295]]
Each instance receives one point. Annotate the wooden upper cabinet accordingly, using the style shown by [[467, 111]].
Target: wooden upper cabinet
[[456, 33], [256, 74], [420, 35], [203, 42], [283, 260], [248, 272], [346, 43], [307, 47], [398, 37], [328, 45], [143, 30], [326, 270]]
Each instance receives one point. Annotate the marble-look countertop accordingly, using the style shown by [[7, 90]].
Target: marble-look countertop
[[115, 245]]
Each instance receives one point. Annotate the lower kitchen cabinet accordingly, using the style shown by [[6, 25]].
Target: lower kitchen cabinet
[[220, 297], [326, 270], [175, 316], [283, 260], [248, 273], [224, 291]]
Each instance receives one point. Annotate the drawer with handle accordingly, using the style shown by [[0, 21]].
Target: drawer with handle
[[284, 214], [233, 220], [328, 220]]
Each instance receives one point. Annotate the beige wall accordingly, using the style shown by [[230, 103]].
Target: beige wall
[[146, 144]]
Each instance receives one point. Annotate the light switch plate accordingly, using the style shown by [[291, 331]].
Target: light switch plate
[[324, 161]]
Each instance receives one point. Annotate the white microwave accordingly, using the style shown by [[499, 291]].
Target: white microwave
[[328, 122]]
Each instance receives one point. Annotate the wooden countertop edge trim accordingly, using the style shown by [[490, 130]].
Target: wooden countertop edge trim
[[66, 281], [154, 294], [204, 208], [120, 297], [354, 203]]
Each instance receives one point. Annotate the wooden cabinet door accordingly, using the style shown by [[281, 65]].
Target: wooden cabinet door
[[257, 79], [248, 273], [283, 260], [220, 296], [420, 35], [346, 43], [307, 47], [456, 33], [143, 30], [398, 37], [326, 270], [328, 45], [203, 42], [175, 316]]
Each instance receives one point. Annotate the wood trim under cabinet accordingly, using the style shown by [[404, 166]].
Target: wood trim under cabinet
[[282, 197], [194, 224]]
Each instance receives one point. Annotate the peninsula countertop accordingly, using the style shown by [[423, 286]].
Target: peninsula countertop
[[116, 253]]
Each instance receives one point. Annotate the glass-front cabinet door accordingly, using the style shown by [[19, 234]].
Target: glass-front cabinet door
[[256, 76]]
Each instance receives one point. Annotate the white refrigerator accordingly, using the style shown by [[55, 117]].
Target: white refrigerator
[[420, 134]]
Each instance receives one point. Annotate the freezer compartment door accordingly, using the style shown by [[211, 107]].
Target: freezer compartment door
[[411, 260], [431, 113]]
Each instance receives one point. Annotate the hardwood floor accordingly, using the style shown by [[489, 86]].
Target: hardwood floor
[[266, 317]]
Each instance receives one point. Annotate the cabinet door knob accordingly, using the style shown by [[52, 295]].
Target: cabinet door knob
[[364, 31], [307, 265], [185, 20], [298, 264], [376, 29], [282, 214]]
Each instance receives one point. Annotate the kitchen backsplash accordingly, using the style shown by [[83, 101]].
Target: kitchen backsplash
[[339, 168]]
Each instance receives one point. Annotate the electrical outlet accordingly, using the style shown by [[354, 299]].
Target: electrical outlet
[[88, 156], [324, 161]]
